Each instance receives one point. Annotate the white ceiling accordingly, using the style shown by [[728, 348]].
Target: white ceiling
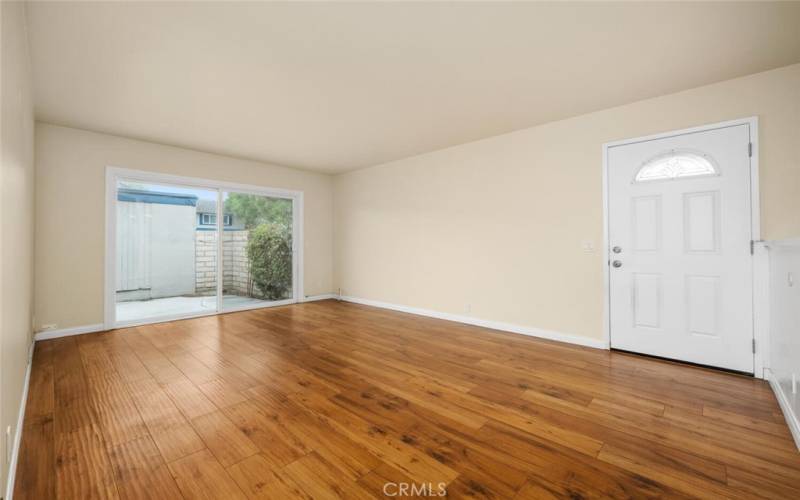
[[337, 86]]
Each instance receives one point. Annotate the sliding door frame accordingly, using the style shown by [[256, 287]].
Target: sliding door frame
[[115, 174]]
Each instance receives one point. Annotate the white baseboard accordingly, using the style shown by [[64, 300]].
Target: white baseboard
[[66, 332], [99, 327], [324, 296], [494, 325], [788, 412], [12, 464]]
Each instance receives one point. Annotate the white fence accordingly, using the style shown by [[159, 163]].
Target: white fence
[[155, 250]]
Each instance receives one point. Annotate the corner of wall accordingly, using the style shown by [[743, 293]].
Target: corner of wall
[[17, 222]]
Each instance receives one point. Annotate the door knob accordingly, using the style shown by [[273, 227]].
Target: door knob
[[616, 249], [617, 263]]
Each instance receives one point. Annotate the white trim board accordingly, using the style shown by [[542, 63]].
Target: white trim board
[[494, 325], [792, 419], [760, 308], [12, 464], [66, 332], [787, 243], [324, 296]]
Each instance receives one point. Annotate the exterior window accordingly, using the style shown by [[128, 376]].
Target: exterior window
[[211, 220], [676, 165]]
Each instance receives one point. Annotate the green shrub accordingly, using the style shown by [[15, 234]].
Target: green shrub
[[269, 251]]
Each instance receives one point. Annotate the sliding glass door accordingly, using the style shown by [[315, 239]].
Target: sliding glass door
[[186, 249], [257, 262]]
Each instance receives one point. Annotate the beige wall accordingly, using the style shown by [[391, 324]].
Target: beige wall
[[70, 213], [496, 225], [16, 214]]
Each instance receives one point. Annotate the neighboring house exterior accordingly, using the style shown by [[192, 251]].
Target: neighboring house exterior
[[207, 217]]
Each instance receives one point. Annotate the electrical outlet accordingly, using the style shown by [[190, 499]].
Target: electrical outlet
[[468, 308], [587, 246]]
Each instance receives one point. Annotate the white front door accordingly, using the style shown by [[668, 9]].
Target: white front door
[[680, 270]]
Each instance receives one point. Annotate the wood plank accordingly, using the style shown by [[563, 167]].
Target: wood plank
[[279, 447], [737, 419], [226, 441], [117, 416], [128, 366], [36, 470], [140, 471], [156, 408], [379, 441], [752, 484], [193, 368], [582, 476], [479, 474], [41, 389], [319, 479], [350, 458], [177, 441], [189, 399], [82, 466], [258, 478], [221, 393], [693, 477], [70, 382], [384, 480], [170, 431], [200, 476]]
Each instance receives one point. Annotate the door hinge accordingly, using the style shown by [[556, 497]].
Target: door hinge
[[754, 346], [752, 247], [750, 149]]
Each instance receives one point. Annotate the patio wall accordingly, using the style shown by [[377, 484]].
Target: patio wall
[[236, 270]]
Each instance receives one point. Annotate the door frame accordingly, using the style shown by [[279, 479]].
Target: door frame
[[760, 300], [114, 174]]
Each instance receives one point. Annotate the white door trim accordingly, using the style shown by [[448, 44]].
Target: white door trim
[[113, 174], [760, 309]]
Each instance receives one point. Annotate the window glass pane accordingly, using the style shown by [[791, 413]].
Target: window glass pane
[[675, 165], [166, 261], [258, 263]]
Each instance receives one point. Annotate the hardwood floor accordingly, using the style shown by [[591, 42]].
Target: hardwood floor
[[328, 399]]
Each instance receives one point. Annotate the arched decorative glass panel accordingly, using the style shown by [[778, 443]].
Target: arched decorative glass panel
[[676, 164]]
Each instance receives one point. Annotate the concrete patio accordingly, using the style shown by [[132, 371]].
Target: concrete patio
[[135, 310]]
